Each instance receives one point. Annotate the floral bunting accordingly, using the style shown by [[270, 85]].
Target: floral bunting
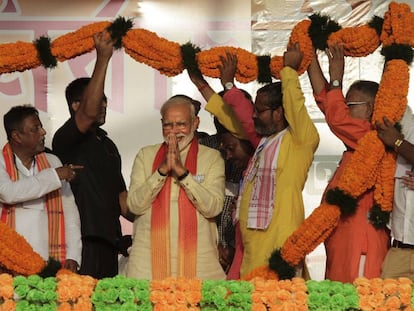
[[72, 292]]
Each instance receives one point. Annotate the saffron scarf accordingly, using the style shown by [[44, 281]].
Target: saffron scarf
[[187, 225], [54, 207]]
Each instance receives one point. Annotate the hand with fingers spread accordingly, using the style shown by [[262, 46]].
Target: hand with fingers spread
[[227, 68]]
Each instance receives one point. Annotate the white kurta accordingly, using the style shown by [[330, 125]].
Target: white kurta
[[28, 193], [205, 190]]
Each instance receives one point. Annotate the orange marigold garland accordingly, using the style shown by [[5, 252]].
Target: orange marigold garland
[[313, 231], [384, 185], [18, 56], [6, 293], [78, 42], [398, 25], [146, 47], [357, 41], [391, 99], [300, 35], [387, 294], [209, 61], [361, 172], [16, 254], [176, 294], [279, 295], [74, 291]]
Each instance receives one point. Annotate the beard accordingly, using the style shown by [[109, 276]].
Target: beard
[[185, 140], [264, 130]]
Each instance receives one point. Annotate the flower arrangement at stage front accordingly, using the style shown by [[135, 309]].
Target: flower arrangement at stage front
[[72, 292]]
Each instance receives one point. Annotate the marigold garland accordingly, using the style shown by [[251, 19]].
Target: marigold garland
[[388, 294], [175, 294], [6, 292], [74, 291], [146, 47], [279, 295], [76, 43], [313, 231], [16, 254], [121, 293], [300, 35], [357, 41]]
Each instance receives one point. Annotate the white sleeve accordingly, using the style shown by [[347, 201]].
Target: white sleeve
[[30, 188]]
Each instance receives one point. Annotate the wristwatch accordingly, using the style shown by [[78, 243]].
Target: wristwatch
[[229, 85], [335, 83]]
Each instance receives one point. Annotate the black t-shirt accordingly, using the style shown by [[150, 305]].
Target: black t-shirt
[[97, 186]]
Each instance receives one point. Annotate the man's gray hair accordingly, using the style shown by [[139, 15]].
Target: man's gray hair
[[178, 100]]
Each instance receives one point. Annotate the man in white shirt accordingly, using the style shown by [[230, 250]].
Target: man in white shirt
[[35, 194], [397, 262]]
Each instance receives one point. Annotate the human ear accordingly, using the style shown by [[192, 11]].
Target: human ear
[[75, 105]]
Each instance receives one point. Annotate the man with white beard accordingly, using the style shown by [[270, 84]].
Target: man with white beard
[[176, 190]]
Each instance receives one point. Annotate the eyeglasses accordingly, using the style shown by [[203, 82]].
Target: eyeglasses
[[260, 111], [170, 125], [355, 103]]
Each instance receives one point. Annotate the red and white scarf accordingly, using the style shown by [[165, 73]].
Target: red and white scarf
[[187, 226], [54, 207], [262, 172]]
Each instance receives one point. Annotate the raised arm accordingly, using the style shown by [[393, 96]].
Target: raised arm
[[316, 76], [90, 105]]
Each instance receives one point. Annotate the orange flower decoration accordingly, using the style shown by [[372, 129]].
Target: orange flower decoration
[[357, 41], [16, 254]]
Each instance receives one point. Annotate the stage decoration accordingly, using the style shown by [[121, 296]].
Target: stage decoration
[[371, 166], [16, 255], [68, 291]]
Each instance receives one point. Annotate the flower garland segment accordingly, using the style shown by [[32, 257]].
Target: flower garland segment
[[313, 231], [16, 254], [19, 56], [165, 56], [357, 41], [146, 47], [7, 293], [74, 291], [69, 291], [78, 42], [183, 294]]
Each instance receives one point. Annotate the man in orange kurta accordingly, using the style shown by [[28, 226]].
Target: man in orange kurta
[[354, 238]]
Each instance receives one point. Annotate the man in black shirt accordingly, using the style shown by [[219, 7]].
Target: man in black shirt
[[99, 188]]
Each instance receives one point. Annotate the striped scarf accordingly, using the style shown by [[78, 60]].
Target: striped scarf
[[261, 171], [187, 226], [54, 207]]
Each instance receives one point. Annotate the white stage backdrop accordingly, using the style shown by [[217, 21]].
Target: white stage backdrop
[[136, 91]]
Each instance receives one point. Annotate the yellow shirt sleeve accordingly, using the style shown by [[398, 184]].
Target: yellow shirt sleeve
[[226, 116]]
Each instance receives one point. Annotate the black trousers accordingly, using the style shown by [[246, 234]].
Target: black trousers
[[99, 258]]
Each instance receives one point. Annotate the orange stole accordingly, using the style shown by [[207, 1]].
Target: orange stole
[[56, 222], [160, 224]]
